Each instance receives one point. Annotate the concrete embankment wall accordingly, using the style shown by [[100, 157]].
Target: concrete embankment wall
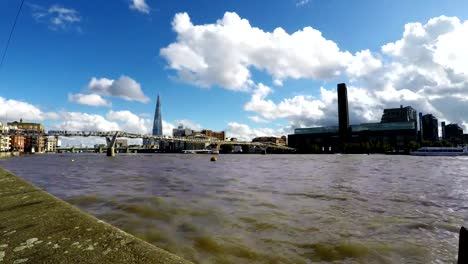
[[4, 155], [36, 227]]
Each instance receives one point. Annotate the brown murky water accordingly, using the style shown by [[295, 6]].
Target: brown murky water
[[270, 209]]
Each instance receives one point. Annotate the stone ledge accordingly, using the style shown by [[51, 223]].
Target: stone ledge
[[36, 227]]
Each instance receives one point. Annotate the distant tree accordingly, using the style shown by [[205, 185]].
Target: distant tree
[[426, 143], [226, 148], [445, 143], [437, 144], [245, 149], [411, 146]]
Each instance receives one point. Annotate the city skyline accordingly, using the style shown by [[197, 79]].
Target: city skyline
[[108, 82]]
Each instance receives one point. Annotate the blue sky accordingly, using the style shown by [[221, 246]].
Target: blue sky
[[47, 63]]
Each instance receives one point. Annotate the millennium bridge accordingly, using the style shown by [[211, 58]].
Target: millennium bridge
[[111, 137]]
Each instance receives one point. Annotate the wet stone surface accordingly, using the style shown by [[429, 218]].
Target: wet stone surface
[[36, 227]]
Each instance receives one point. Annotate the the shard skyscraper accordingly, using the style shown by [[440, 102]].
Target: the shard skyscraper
[[157, 125]]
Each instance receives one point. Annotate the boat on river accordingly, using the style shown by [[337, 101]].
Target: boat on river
[[441, 151], [201, 151]]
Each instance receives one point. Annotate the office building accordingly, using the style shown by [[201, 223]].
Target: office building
[[430, 128], [157, 123], [401, 114], [121, 143], [180, 131], [27, 127], [454, 133]]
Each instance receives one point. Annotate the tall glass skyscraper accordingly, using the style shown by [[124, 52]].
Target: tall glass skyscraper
[[157, 124]]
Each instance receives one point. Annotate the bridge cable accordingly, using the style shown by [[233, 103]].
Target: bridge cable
[[11, 33]]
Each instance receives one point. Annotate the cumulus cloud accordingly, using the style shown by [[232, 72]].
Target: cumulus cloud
[[188, 124], [245, 133], [224, 53], [124, 87], [427, 68], [140, 6], [167, 128], [291, 108], [130, 122], [77, 121], [89, 99], [57, 17], [15, 110]]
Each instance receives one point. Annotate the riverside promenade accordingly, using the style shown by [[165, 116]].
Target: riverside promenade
[[36, 227]]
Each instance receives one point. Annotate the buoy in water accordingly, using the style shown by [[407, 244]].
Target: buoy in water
[[72, 160], [214, 158]]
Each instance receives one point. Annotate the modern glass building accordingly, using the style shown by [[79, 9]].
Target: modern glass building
[[157, 123], [430, 128]]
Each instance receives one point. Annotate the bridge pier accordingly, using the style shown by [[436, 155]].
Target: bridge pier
[[111, 145], [110, 152]]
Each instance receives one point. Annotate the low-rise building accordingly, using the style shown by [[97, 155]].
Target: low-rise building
[[272, 140], [151, 143], [29, 127], [17, 142], [34, 143], [51, 144], [3, 128], [180, 131], [209, 133], [121, 143], [5, 143]]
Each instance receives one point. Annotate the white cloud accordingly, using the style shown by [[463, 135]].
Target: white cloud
[[129, 122], [167, 128], [364, 63], [188, 124], [125, 87], [140, 6], [245, 133], [15, 110], [427, 68], [57, 17], [257, 119], [301, 2], [89, 99], [292, 108], [223, 53], [77, 121]]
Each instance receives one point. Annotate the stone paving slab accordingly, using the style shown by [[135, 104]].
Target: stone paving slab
[[36, 227]]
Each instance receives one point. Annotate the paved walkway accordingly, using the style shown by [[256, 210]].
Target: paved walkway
[[36, 227]]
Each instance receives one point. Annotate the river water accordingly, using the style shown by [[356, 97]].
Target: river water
[[269, 208]]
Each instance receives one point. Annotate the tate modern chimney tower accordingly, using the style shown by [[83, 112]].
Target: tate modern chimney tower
[[157, 124]]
